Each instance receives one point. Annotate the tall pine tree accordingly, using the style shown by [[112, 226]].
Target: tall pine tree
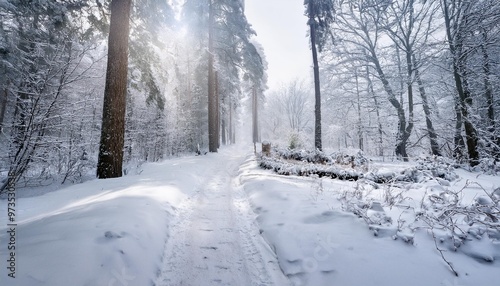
[[320, 14], [113, 122]]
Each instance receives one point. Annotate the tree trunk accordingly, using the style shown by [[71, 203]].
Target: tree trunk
[[488, 94], [458, 140], [223, 131], [255, 126], [3, 106], [403, 134], [113, 122], [223, 120], [212, 100], [360, 130], [4, 81], [400, 147], [455, 42], [471, 137], [427, 111], [217, 108], [470, 131], [409, 86], [230, 135], [317, 91], [188, 82], [129, 129], [233, 135], [377, 111]]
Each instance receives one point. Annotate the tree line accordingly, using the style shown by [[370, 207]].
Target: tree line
[[172, 77], [403, 78], [391, 77]]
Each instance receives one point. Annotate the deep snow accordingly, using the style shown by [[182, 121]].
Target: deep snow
[[320, 244], [220, 220]]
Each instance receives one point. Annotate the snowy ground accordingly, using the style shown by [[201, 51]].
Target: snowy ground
[[318, 243], [220, 220], [214, 240]]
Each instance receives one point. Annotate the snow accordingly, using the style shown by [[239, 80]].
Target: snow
[[219, 219], [318, 243], [4, 4], [103, 231], [214, 242]]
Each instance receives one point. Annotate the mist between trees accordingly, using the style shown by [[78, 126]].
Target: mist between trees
[[398, 78], [53, 77]]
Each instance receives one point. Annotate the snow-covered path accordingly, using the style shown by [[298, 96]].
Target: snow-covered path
[[219, 219], [214, 240]]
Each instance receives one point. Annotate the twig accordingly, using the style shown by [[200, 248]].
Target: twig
[[441, 252]]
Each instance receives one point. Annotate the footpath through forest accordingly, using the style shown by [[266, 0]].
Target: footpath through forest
[[214, 240], [220, 219]]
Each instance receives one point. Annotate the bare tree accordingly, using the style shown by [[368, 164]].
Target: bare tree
[[372, 95], [360, 26], [288, 112], [295, 102], [427, 111], [457, 21], [410, 28]]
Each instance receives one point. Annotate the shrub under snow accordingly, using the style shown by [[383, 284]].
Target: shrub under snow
[[352, 167]]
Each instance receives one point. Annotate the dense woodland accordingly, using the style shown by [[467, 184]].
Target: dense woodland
[[394, 78], [399, 79]]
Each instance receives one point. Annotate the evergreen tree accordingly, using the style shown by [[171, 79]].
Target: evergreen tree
[[321, 15], [41, 55], [113, 120], [229, 52]]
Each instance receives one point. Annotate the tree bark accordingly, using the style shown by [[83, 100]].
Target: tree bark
[[113, 122], [4, 82], [455, 41], [488, 94], [317, 91], [230, 133], [400, 147], [377, 111], [223, 131], [217, 108], [212, 100], [404, 130], [409, 86], [3, 106], [458, 140], [360, 130], [255, 126], [427, 111], [488, 91]]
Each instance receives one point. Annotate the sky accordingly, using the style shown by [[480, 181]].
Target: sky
[[282, 30]]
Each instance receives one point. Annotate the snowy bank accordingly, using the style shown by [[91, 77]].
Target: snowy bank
[[331, 232], [101, 232]]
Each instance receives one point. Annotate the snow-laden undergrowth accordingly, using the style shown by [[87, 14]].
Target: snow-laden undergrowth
[[430, 200], [455, 220], [352, 167]]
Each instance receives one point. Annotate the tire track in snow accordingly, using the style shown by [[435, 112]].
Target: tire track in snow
[[214, 239]]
